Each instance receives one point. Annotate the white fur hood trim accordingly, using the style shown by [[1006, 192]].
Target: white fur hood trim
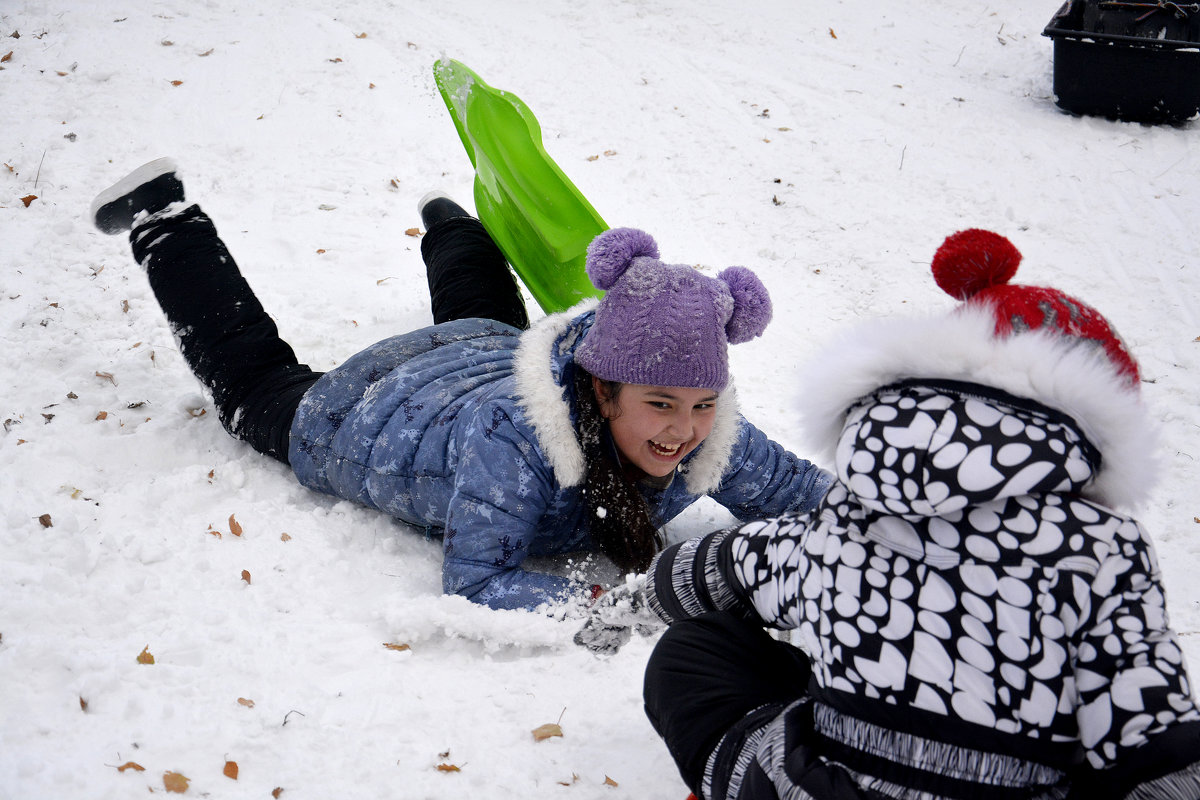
[[1072, 376], [538, 367], [543, 398]]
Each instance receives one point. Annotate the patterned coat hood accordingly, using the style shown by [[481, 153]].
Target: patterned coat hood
[[1067, 376]]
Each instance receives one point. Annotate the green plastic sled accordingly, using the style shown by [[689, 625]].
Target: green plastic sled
[[542, 223]]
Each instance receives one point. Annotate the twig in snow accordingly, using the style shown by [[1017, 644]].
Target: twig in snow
[[39, 172]]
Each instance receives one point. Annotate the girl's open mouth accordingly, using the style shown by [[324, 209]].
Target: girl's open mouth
[[665, 450]]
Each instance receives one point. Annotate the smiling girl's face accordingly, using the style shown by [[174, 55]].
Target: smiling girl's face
[[654, 427]]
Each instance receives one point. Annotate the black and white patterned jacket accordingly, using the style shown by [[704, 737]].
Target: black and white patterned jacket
[[981, 624]]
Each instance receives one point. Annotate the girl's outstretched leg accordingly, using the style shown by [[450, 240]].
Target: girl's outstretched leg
[[467, 273], [224, 334]]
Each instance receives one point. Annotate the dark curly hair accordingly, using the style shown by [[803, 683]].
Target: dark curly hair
[[618, 515]]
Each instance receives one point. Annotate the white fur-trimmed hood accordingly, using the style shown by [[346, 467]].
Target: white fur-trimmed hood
[[544, 352], [1068, 375]]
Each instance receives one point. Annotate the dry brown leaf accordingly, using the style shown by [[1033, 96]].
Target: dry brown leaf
[[101, 416], [278, 790], [167, 43], [832, 35], [285, 537], [231, 769], [133, 765], [593, 158], [320, 251], [27, 199], [125, 308], [177, 83], [246, 575], [208, 52], [1195, 519], [543, 732], [45, 520], [396, 646], [610, 782], [145, 657], [413, 232], [175, 782], [574, 779], [6, 57], [335, 60], [448, 768], [370, 86], [360, 36], [82, 704], [108, 376], [234, 526], [244, 702]]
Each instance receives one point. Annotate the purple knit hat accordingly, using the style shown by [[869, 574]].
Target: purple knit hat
[[666, 324]]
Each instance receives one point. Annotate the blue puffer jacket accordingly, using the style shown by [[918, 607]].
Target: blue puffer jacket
[[468, 428]]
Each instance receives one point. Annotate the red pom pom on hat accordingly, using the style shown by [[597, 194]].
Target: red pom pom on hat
[[976, 266], [973, 260]]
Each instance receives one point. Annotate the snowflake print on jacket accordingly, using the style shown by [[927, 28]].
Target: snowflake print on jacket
[[979, 622]]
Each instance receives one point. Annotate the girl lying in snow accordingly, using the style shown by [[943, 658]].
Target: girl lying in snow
[[974, 620], [510, 442]]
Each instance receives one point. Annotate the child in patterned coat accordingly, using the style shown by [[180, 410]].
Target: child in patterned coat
[[974, 619]]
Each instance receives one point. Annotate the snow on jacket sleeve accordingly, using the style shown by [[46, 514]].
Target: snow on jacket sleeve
[[502, 489], [1138, 723], [764, 479]]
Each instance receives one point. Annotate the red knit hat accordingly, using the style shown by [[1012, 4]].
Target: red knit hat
[[976, 266]]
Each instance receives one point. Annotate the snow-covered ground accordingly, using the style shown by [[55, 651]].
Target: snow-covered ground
[[830, 147]]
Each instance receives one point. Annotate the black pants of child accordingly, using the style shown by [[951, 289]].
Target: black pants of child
[[234, 348], [713, 675]]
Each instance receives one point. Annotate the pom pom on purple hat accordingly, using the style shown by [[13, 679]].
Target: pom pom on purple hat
[[751, 304], [611, 253]]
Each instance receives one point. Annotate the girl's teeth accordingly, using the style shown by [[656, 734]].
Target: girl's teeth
[[665, 449]]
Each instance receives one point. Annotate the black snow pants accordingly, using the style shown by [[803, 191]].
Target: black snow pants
[[717, 676], [234, 348]]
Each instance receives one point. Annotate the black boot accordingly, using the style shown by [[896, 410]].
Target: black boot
[[436, 207], [149, 188]]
